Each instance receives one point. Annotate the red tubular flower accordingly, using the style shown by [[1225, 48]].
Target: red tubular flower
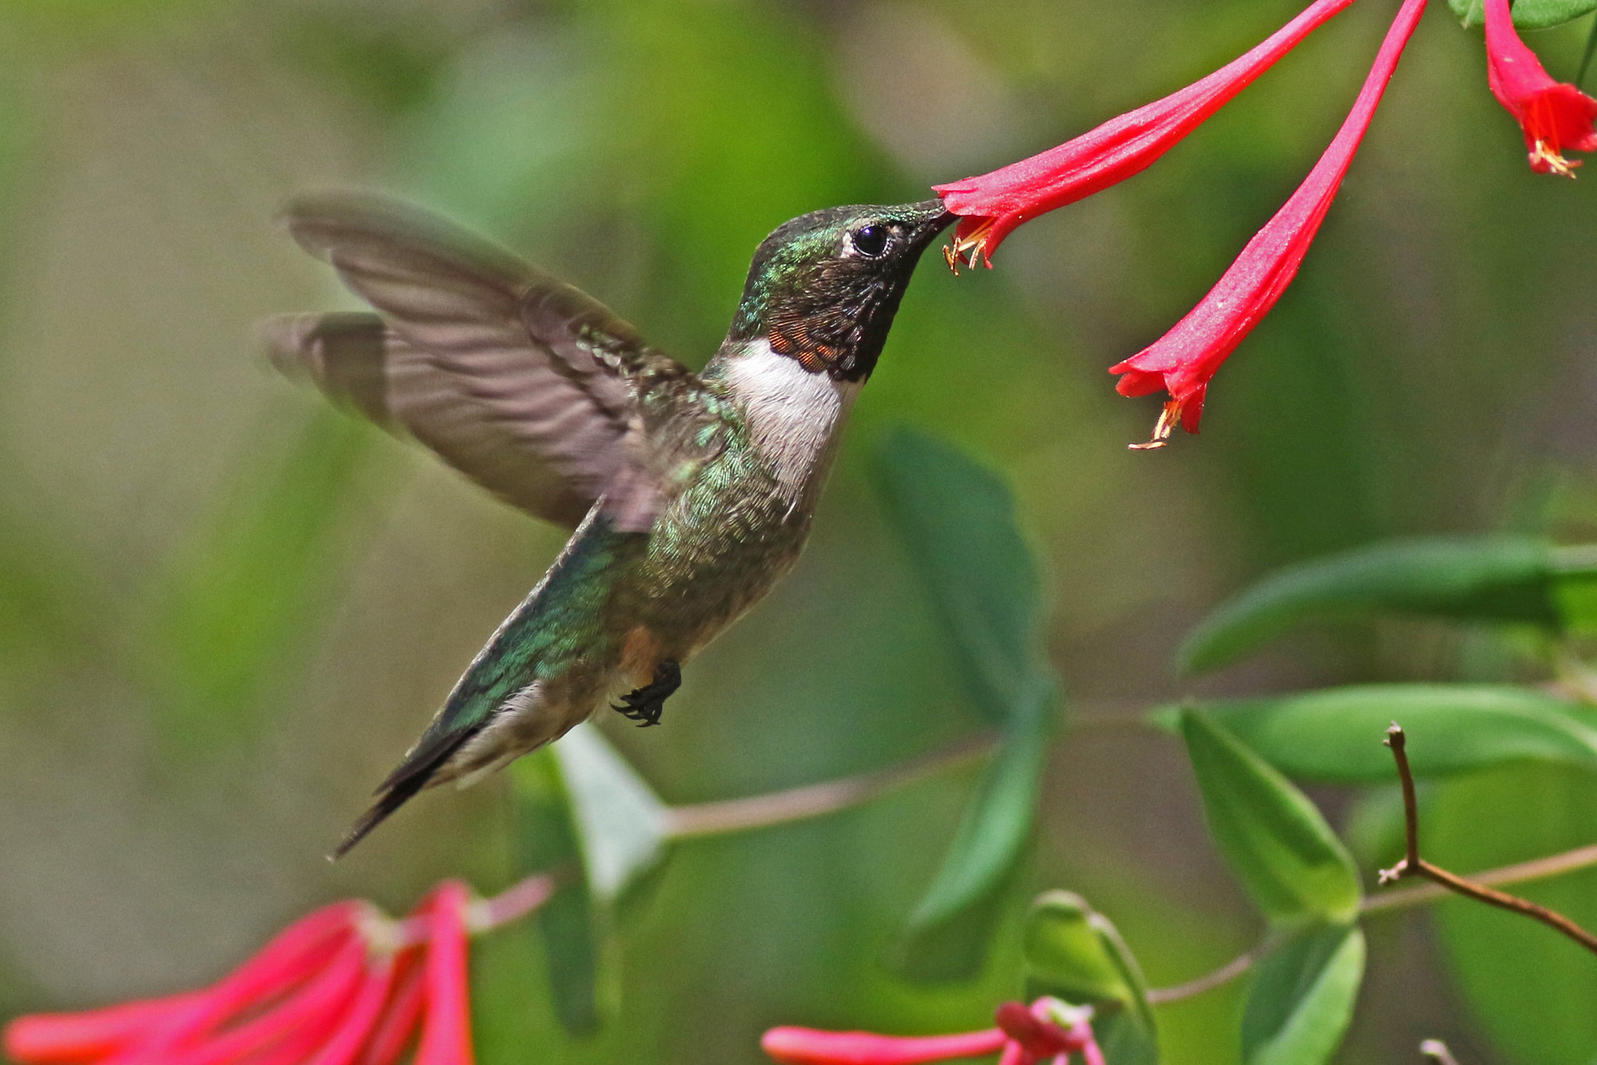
[[446, 1032], [1183, 360], [1555, 116], [1023, 1036], [342, 986], [994, 204], [811, 1046]]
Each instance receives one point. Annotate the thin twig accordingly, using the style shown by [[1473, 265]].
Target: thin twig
[[1413, 865], [1519, 873], [814, 800], [1401, 899]]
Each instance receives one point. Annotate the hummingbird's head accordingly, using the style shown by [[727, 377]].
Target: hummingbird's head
[[824, 287]]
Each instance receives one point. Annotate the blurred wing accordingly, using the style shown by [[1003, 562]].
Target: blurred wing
[[523, 383]]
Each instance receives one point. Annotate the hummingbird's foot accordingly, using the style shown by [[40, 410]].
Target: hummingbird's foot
[[647, 703]]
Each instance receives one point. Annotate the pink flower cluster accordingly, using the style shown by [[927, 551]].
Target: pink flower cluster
[[1554, 117], [342, 986], [1047, 1030]]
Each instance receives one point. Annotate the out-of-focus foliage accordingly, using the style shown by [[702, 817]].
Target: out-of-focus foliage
[[1078, 955], [1528, 14], [224, 612], [1325, 734], [957, 520], [1500, 580]]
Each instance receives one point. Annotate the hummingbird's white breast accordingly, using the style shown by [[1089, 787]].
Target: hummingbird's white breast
[[793, 414]]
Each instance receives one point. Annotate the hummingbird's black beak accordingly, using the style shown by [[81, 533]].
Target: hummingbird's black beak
[[926, 220]]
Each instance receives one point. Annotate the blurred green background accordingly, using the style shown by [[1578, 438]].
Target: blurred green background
[[225, 609]]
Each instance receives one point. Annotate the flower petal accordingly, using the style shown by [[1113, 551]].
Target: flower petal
[[46, 1038], [398, 1024], [360, 1017], [995, 203], [312, 1011], [1185, 358], [1554, 116], [446, 1031], [811, 1046]]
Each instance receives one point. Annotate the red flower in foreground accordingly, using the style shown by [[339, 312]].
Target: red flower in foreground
[[1183, 360], [1555, 116], [342, 986], [994, 204], [1048, 1029]]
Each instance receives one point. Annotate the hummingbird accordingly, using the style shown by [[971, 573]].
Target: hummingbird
[[689, 494]]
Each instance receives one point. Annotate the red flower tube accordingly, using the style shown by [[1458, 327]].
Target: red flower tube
[[1554, 116], [446, 1031], [994, 204], [342, 986], [1183, 360], [811, 1046], [1023, 1036]]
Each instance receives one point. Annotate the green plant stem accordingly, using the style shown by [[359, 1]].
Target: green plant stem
[[814, 800]]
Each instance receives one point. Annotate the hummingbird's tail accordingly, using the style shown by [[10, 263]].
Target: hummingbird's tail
[[413, 774]]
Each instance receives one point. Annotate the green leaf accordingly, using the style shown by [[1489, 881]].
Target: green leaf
[[621, 823], [1275, 841], [1495, 579], [1076, 954], [957, 519], [583, 809], [1335, 734], [1302, 997], [1529, 989], [947, 934], [1528, 14], [547, 841]]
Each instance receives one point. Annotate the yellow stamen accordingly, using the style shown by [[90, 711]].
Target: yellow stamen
[[1555, 160], [1169, 418], [969, 249]]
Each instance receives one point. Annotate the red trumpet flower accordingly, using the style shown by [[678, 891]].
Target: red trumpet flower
[[1183, 360], [1555, 116], [1047, 1029], [993, 204], [342, 986]]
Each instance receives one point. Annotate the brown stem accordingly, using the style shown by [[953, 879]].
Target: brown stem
[[1413, 865], [1401, 899], [813, 800]]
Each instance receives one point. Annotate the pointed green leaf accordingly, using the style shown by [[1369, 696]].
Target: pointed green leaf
[[957, 519], [1302, 997], [1527, 988], [1334, 734], [1076, 954], [1489, 579], [1287, 858], [547, 841], [1528, 14], [947, 934], [621, 822]]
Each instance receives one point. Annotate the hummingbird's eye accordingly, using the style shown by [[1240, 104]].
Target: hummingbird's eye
[[870, 241]]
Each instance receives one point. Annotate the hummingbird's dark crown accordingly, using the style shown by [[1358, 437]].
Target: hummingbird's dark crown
[[824, 287]]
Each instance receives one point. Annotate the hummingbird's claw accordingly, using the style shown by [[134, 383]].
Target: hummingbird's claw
[[646, 704]]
